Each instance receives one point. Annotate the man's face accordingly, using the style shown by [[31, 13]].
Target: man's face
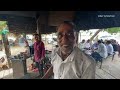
[[88, 41], [83, 41], [66, 38], [36, 37]]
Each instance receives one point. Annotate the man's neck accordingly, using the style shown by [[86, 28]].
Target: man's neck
[[65, 55], [37, 40]]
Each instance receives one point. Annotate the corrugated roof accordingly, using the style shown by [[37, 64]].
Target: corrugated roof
[[83, 19]]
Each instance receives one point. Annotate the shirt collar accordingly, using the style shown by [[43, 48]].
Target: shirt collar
[[70, 57]]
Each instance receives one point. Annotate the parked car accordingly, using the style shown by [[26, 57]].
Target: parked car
[[107, 37]]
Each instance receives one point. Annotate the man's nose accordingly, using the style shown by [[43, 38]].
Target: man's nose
[[65, 38]]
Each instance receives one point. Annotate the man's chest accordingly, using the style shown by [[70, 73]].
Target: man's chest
[[37, 46], [66, 70]]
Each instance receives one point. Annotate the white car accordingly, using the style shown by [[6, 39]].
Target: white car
[[107, 38]]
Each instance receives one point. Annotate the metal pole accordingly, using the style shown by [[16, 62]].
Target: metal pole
[[7, 49], [52, 40]]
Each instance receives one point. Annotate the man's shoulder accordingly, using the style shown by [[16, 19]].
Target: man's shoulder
[[54, 51], [111, 45], [83, 56], [102, 45]]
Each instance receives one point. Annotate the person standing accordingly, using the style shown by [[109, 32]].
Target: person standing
[[39, 54]]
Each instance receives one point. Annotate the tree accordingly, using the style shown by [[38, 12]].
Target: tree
[[2, 24], [4, 31], [3, 27], [113, 30]]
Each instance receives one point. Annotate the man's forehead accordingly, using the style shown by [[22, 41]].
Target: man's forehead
[[65, 28], [36, 36]]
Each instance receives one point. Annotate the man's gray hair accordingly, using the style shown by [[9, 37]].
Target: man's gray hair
[[70, 23]]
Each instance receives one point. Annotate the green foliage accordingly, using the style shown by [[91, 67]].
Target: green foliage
[[113, 30], [3, 24], [3, 27]]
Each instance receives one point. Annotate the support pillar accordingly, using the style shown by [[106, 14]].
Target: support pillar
[[7, 48]]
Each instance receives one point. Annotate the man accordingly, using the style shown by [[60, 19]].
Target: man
[[94, 46], [22, 41], [115, 45], [68, 62], [101, 52], [109, 48], [39, 53], [87, 45], [82, 45]]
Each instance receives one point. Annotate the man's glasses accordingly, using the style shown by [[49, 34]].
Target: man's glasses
[[69, 34]]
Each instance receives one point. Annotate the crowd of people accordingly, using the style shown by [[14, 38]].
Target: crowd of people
[[100, 49]]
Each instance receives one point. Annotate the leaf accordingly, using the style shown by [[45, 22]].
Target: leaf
[[3, 24], [113, 30], [5, 31]]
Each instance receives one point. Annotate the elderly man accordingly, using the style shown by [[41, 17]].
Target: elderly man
[[68, 61]]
